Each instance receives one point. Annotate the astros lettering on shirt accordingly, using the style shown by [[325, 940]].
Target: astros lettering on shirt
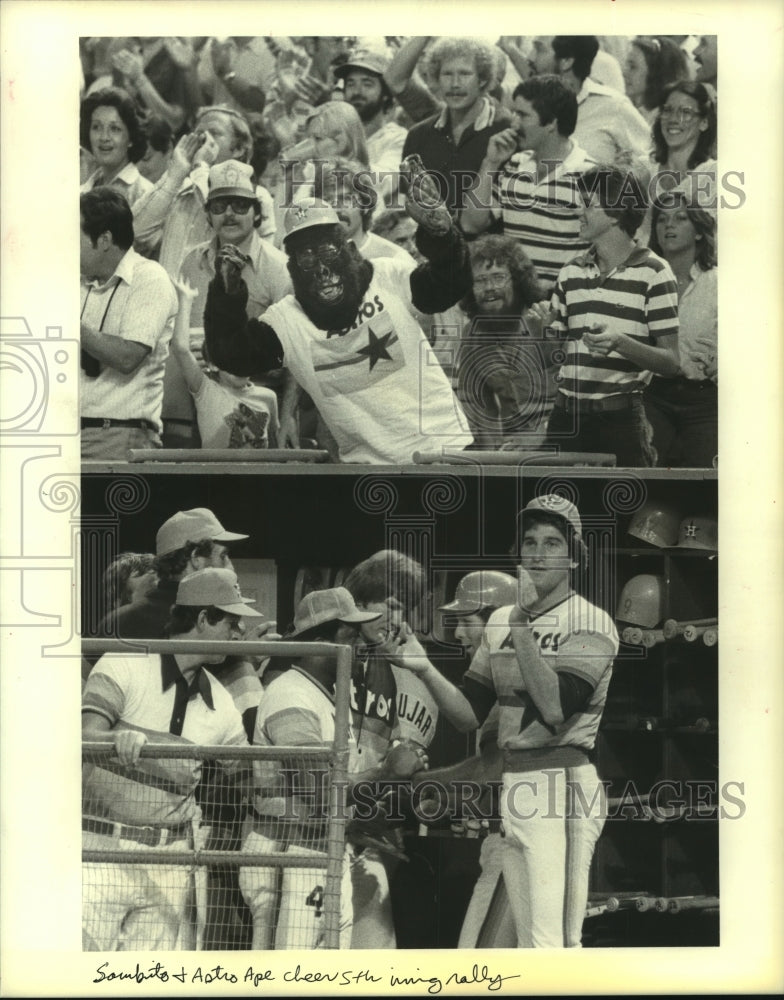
[[573, 636], [377, 384]]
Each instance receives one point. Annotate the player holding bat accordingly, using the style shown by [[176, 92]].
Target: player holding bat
[[348, 334], [547, 661]]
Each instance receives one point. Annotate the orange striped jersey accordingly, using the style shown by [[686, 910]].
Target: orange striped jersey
[[638, 297], [148, 694], [574, 636]]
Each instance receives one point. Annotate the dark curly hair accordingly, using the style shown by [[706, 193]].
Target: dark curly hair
[[666, 63], [113, 97], [505, 252], [705, 97], [620, 192], [171, 565], [386, 574]]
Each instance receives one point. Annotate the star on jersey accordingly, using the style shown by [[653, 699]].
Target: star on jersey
[[531, 713], [376, 348]]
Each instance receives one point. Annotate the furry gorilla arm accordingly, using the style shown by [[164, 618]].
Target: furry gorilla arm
[[235, 343], [445, 276]]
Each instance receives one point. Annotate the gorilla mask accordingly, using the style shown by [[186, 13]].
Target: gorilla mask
[[329, 276]]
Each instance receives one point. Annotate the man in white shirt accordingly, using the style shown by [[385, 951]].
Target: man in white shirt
[[608, 124], [127, 309]]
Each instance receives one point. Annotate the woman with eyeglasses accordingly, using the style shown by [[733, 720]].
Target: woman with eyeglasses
[[652, 63], [683, 411], [684, 138]]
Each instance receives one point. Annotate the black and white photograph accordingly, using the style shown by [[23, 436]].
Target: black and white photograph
[[361, 543]]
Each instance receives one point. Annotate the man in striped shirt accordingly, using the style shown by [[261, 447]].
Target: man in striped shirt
[[536, 195], [617, 307]]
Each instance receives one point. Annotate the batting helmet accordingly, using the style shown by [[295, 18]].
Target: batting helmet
[[699, 533], [483, 589], [656, 523], [642, 601]]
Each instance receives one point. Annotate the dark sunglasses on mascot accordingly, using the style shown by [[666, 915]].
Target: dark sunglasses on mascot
[[310, 257], [240, 206]]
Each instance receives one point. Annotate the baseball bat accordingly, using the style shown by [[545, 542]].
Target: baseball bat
[[652, 637], [673, 628], [710, 636], [693, 632], [680, 903], [645, 903], [513, 458], [632, 635], [262, 455]]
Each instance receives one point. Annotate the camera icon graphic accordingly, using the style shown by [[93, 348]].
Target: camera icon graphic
[[39, 379]]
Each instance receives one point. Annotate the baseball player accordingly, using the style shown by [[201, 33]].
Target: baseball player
[[546, 660]]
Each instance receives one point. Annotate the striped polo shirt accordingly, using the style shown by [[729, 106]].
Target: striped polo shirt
[[638, 297], [149, 694], [544, 215]]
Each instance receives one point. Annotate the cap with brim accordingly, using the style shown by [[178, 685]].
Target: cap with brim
[[232, 178], [373, 62], [217, 588], [551, 503], [307, 213], [333, 605], [191, 526]]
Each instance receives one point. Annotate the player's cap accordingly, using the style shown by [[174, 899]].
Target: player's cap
[[306, 213], [333, 605], [218, 588], [700, 532], [483, 589], [372, 60], [657, 523], [551, 503], [231, 178], [642, 601], [191, 526]]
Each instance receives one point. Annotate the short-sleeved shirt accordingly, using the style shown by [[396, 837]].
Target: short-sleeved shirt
[[638, 297], [236, 418], [150, 695], [138, 303], [608, 124], [573, 636], [545, 215]]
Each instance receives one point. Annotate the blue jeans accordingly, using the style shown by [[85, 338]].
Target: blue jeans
[[624, 433], [684, 415]]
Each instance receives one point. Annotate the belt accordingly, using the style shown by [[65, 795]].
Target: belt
[[151, 836], [106, 422], [620, 401]]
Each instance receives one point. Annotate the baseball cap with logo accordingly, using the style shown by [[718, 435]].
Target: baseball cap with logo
[[218, 588], [306, 213], [231, 178], [551, 503], [333, 605], [191, 526], [373, 60]]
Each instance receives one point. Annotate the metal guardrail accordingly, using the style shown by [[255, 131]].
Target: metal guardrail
[[336, 755]]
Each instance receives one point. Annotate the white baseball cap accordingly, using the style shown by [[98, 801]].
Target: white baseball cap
[[191, 526]]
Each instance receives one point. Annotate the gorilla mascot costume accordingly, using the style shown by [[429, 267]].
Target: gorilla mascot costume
[[348, 335]]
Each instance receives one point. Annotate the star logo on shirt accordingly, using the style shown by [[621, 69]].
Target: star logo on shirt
[[376, 348], [531, 713]]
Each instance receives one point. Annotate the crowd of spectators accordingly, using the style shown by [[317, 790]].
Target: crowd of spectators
[[570, 307]]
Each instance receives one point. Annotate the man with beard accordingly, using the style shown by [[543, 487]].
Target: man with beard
[[364, 87], [347, 334], [535, 192], [504, 377]]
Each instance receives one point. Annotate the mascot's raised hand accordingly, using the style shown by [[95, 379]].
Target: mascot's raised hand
[[423, 201], [229, 263]]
